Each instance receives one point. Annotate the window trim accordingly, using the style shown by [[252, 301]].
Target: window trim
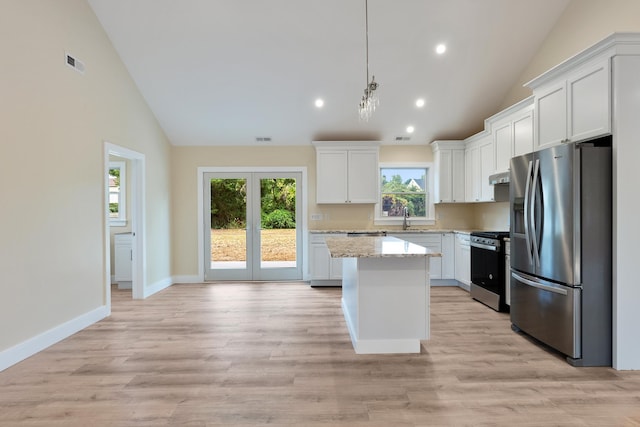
[[426, 220], [121, 220]]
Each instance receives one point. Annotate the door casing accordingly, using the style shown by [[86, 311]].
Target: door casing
[[303, 208]]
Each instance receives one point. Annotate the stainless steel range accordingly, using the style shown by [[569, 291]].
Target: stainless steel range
[[488, 282]]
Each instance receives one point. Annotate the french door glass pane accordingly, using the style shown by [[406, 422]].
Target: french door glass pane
[[228, 223], [278, 223]]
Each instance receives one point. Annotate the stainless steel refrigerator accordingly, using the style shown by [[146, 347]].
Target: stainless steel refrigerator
[[560, 200]]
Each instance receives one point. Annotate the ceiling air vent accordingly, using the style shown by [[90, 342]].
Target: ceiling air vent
[[263, 138], [403, 138], [74, 63]]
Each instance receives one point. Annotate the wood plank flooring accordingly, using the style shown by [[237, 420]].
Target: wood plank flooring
[[279, 354]]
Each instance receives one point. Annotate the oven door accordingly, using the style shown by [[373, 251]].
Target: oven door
[[488, 276]]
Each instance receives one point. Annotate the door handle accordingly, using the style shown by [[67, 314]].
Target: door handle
[[534, 186], [540, 284], [527, 206]]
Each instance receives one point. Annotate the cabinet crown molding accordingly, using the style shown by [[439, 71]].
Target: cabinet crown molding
[[447, 144], [614, 44]]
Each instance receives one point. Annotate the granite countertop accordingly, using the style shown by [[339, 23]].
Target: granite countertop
[[408, 231], [375, 247]]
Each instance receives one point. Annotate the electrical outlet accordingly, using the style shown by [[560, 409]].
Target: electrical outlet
[[316, 217]]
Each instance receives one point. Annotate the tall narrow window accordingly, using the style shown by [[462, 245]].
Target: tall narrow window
[[117, 194]]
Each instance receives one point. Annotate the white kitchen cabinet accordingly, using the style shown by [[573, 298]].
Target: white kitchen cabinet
[[439, 267], [512, 131], [503, 142], [523, 132], [346, 173], [575, 107], [449, 177], [479, 165], [123, 258], [487, 168], [448, 256], [472, 169], [325, 271], [463, 260]]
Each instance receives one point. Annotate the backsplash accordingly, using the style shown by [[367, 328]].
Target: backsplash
[[458, 216], [492, 216]]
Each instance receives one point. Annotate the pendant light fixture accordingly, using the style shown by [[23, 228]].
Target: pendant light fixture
[[369, 100]]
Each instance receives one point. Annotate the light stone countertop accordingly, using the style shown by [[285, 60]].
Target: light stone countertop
[[375, 247], [388, 231]]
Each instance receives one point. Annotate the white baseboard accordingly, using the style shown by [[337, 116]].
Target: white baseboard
[[157, 287], [191, 278], [17, 353]]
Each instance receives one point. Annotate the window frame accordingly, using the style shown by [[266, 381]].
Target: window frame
[[429, 219], [121, 219]]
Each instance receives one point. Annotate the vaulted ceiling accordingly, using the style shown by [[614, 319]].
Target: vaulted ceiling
[[225, 72]]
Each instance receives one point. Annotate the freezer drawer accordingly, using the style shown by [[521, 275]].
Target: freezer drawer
[[547, 311]]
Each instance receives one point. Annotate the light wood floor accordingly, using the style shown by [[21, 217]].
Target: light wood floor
[[279, 354]]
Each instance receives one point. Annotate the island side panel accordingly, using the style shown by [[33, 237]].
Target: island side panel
[[393, 298], [350, 296]]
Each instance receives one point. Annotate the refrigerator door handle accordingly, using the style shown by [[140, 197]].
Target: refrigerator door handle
[[540, 284], [527, 206], [534, 186]]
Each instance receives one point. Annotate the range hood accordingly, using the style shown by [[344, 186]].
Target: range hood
[[499, 178]]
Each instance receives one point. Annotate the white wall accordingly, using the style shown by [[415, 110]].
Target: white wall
[[626, 152], [54, 124]]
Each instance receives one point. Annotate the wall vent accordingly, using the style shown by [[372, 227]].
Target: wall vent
[[403, 138], [74, 63], [263, 138]]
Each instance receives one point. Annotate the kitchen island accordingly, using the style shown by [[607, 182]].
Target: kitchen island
[[385, 292]]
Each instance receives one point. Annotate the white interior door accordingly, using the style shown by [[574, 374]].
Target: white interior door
[[251, 226]]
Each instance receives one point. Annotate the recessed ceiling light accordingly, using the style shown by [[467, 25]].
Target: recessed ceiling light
[[440, 49], [319, 102], [420, 103], [410, 129]]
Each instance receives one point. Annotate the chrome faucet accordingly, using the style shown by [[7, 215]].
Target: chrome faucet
[[405, 215]]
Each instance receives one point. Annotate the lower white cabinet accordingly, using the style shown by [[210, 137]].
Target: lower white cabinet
[[123, 256], [325, 271], [439, 268], [463, 260]]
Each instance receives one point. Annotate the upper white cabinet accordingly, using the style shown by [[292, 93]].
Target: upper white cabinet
[[512, 131], [346, 172], [479, 165], [487, 168], [575, 106], [449, 185], [523, 132], [472, 168]]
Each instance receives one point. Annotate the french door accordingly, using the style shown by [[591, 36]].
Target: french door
[[251, 226]]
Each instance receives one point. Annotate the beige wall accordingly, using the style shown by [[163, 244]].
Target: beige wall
[[583, 23], [186, 160], [54, 123], [184, 165]]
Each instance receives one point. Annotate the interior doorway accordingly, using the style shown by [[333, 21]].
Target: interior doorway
[[133, 220], [252, 225]]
